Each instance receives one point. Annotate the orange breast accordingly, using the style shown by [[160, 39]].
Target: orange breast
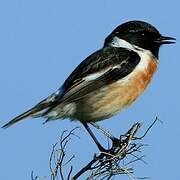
[[109, 100]]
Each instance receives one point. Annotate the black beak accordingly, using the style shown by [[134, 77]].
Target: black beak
[[165, 40]]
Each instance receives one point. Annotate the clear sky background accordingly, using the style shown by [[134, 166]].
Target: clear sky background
[[42, 41]]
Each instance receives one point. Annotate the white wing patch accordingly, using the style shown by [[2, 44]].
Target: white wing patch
[[99, 74], [94, 76]]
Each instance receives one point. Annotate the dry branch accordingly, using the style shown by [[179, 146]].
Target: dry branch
[[115, 161]]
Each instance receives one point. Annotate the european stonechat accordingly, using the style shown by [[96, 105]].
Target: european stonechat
[[108, 80]]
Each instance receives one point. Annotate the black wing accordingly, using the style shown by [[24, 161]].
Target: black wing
[[116, 64], [119, 61]]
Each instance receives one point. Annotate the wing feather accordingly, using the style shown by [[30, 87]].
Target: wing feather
[[119, 62]]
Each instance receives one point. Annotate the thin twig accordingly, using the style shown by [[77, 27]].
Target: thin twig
[[32, 176], [112, 162]]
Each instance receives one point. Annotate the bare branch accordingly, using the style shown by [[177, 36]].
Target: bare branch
[[109, 163], [114, 161], [58, 160], [32, 176]]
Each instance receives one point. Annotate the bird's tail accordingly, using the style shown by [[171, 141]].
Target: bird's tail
[[36, 111]]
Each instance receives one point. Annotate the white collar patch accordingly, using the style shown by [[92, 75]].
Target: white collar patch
[[144, 54]]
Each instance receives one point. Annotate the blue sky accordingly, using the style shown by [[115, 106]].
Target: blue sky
[[42, 41]]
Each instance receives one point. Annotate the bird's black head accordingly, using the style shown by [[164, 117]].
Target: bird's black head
[[141, 34]]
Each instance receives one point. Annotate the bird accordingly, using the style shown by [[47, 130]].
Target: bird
[[107, 81]]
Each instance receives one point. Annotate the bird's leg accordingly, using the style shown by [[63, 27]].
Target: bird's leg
[[102, 149], [105, 132]]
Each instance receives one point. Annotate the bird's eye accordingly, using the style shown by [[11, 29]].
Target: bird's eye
[[142, 34]]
